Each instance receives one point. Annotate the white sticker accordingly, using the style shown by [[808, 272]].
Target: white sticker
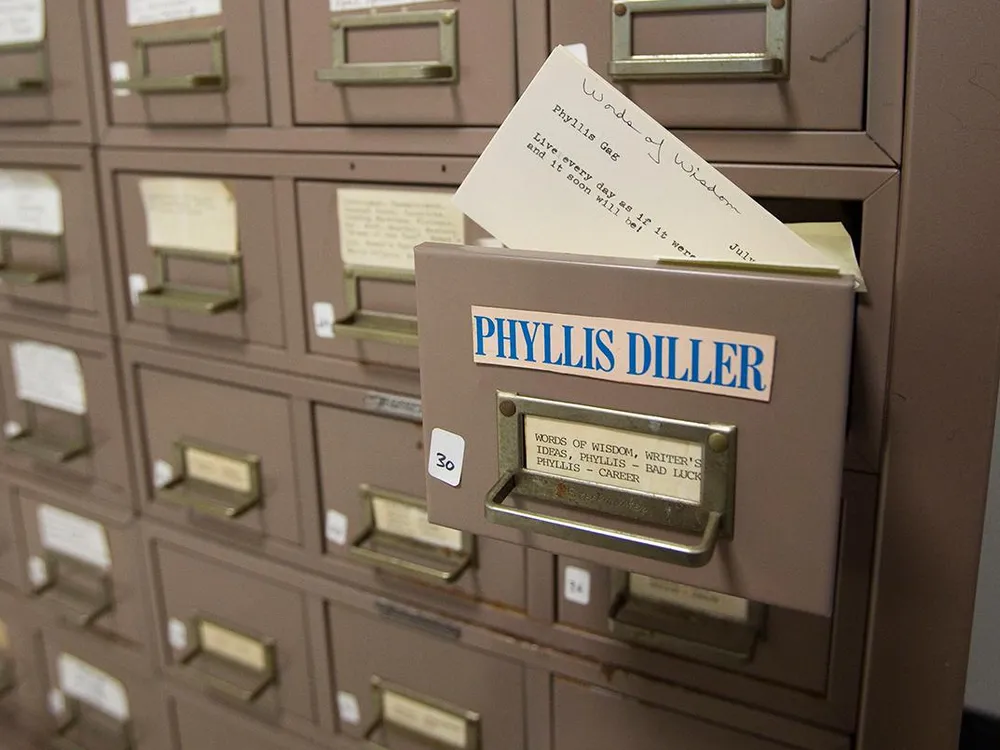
[[163, 474], [90, 685], [348, 708], [57, 703], [74, 536], [380, 228], [323, 319], [341, 5], [30, 202], [190, 214], [576, 585], [21, 21], [177, 634], [446, 455], [12, 429], [336, 527], [38, 572], [579, 51], [147, 12], [136, 283], [49, 376], [118, 71]]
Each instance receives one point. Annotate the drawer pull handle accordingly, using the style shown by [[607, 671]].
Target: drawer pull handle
[[443, 70], [82, 590], [402, 554], [232, 664], [437, 723], [368, 325], [86, 728], [214, 498], [30, 274], [31, 441], [626, 66], [214, 80], [36, 84], [163, 294]]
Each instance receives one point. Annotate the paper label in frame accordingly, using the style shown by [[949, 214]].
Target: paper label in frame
[[401, 519], [30, 202], [219, 470], [74, 536], [342, 5], [90, 685], [427, 721], [190, 214], [380, 228], [614, 458], [48, 375], [407, 407], [241, 649], [148, 12], [707, 360], [4, 637], [21, 21], [690, 598]]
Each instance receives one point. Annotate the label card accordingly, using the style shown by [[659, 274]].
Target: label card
[[147, 12], [615, 458], [348, 708], [22, 21], [707, 360], [406, 407], [446, 456], [30, 202], [380, 228], [323, 319], [401, 519], [190, 214], [241, 649], [74, 536], [434, 723], [342, 5], [137, 283], [219, 470], [90, 685], [336, 527], [177, 634], [690, 598], [163, 473], [56, 702], [576, 585], [38, 572], [49, 376]]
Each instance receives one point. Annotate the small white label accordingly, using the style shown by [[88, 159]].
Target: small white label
[[30, 202], [348, 708], [147, 12], [92, 686], [163, 473], [579, 51], [136, 283], [49, 376], [724, 606], [341, 5], [177, 634], [323, 319], [38, 572], [118, 71], [447, 453], [74, 536], [12, 429], [21, 21], [336, 527], [190, 214], [576, 585], [57, 703]]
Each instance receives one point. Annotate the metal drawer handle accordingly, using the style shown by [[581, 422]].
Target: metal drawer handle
[[86, 728], [226, 675], [216, 79], [443, 70], [36, 84], [31, 442], [772, 63], [163, 294], [210, 497], [28, 274], [394, 706], [367, 325], [84, 591]]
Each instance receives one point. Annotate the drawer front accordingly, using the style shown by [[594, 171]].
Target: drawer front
[[406, 684], [200, 71], [21, 685], [372, 482], [87, 570], [11, 542], [219, 456], [54, 269], [437, 63], [811, 78], [240, 637]]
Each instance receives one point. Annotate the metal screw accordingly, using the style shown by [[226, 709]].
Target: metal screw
[[718, 442], [447, 18], [777, 4], [620, 9], [507, 408]]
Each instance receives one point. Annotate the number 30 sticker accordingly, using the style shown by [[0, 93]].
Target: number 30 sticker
[[447, 452]]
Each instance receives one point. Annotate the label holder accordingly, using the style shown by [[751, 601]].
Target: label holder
[[711, 518], [381, 725], [206, 497], [83, 591], [370, 325], [31, 274], [83, 726], [32, 441], [161, 293], [34, 84], [226, 676], [215, 80]]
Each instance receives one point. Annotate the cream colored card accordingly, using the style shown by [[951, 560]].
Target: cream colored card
[[401, 519], [689, 597], [380, 228], [74, 536], [22, 21], [428, 721], [30, 202], [337, 6], [578, 168], [236, 647], [832, 239], [92, 686], [213, 468], [190, 214], [48, 375], [614, 458], [147, 12]]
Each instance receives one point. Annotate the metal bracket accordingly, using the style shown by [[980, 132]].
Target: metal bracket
[[217, 79], [383, 690], [226, 676], [163, 294], [385, 328], [27, 274], [208, 497], [83, 590], [33, 443], [36, 84]]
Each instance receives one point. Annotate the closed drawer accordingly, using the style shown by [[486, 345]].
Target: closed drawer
[[399, 686], [751, 64], [185, 64], [21, 685], [62, 411], [86, 568], [371, 472], [52, 262], [433, 63]]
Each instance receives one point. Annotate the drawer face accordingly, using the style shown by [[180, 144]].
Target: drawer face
[[432, 686], [586, 718], [372, 472], [219, 454], [454, 63], [241, 284], [240, 637], [11, 542], [822, 86], [20, 683], [201, 727], [56, 97], [225, 52], [95, 578]]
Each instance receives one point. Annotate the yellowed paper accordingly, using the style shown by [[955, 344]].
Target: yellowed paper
[[74, 536], [48, 375], [689, 597], [241, 649], [90, 685], [833, 241], [433, 723], [223, 471], [22, 21], [147, 12], [394, 517], [30, 202], [190, 214]]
